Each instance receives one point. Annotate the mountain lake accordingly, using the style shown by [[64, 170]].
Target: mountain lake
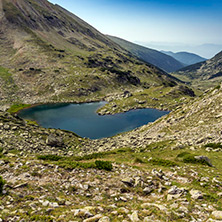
[[84, 121]]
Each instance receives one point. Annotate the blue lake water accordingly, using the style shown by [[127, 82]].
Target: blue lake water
[[84, 121]]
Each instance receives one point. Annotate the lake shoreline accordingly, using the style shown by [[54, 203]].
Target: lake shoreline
[[84, 120]]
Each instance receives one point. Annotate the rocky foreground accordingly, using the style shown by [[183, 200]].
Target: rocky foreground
[[38, 190], [169, 170]]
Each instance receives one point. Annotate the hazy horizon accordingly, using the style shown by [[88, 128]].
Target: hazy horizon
[[185, 24]]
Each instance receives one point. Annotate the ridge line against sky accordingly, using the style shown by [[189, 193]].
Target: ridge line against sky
[[161, 24]]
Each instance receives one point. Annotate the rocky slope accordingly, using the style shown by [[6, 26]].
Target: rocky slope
[[51, 55], [167, 175], [186, 58], [206, 73], [193, 124], [151, 56]]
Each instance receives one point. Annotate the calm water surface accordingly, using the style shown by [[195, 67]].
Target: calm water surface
[[84, 121]]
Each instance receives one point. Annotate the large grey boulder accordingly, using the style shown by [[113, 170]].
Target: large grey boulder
[[54, 141]]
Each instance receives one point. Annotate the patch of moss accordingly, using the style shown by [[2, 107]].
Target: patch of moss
[[17, 107]]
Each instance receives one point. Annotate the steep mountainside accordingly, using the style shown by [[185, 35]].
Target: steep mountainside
[[151, 56], [185, 57], [207, 70], [50, 55], [203, 75]]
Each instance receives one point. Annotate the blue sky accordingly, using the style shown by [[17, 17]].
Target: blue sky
[[152, 22]]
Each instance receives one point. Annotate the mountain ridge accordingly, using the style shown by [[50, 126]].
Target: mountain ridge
[[186, 58], [204, 70], [148, 55]]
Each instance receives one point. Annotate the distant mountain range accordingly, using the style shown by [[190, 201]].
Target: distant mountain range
[[185, 57], [205, 50], [159, 59], [208, 70]]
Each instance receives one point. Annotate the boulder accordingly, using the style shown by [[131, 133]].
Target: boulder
[[93, 219], [204, 159], [54, 141], [128, 181]]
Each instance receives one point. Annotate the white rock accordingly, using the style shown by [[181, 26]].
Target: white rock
[[217, 215], [104, 219], [196, 194], [93, 219], [134, 217]]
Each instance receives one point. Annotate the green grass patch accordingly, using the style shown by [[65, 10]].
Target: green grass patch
[[70, 165], [5, 75], [17, 107], [163, 162], [41, 218], [102, 154], [1, 151], [70, 162]]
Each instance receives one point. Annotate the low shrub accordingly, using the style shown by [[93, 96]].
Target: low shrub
[[103, 165], [50, 157], [183, 154], [163, 162], [1, 150], [214, 145], [2, 182], [190, 158], [138, 160], [70, 165]]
